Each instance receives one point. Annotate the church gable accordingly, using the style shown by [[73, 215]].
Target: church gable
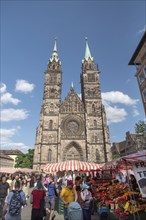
[[72, 103]]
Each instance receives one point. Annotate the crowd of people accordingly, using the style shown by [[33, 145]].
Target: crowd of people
[[43, 191]]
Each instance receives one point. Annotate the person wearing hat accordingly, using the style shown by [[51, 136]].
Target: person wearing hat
[[68, 194], [86, 197]]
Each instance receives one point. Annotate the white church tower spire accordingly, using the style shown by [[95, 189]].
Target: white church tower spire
[[54, 56], [87, 52]]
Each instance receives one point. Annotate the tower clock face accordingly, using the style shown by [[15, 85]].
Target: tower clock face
[[72, 125]]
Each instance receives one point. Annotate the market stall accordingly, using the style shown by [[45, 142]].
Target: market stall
[[124, 199]]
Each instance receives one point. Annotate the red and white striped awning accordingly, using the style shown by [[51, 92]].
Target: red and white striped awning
[[72, 165], [11, 170], [139, 156], [125, 162]]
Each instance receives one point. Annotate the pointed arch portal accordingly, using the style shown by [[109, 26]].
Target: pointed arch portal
[[73, 151]]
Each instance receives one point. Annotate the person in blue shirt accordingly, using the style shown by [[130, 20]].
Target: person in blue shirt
[[50, 198], [86, 198]]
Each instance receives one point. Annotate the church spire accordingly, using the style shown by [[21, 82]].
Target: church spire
[[54, 56], [87, 52], [72, 85]]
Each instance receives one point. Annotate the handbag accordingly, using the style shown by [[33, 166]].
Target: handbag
[[42, 208]]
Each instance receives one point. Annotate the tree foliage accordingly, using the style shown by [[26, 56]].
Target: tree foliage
[[25, 160], [115, 156], [140, 127]]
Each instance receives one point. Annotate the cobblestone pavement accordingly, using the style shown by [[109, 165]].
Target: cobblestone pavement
[[26, 214]]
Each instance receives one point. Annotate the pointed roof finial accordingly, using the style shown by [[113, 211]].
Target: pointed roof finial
[[72, 87], [55, 53], [55, 45], [87, 51]]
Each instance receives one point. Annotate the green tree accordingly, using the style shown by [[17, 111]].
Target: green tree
[[115, 156], [140, 127], [25, 160]]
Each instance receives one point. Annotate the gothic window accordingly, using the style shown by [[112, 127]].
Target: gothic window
[[49, 155], [95, 138], [53, 79], [50, 124], [141, 77], [75, 106], [95, 124], [73, 127], [51, 107], [53, 67], [93, 107], [79, 107], [66, 108], [97, 155], [92, 138], [91, 77]]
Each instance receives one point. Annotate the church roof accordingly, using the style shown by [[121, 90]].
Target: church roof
[[71, 100], [54, 56], [87, 52], [10, 152], [133, 60]]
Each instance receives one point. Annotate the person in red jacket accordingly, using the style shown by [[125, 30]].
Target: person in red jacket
[[36, 199]]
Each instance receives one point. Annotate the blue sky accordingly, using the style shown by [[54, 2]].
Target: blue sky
[[28, 29]]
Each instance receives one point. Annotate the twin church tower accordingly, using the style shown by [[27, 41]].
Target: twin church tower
[[76, 128]]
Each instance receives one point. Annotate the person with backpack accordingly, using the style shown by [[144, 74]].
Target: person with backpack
[[13, 203], [68, 194]]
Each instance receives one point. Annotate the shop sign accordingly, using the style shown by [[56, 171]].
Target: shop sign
[[139, 169]]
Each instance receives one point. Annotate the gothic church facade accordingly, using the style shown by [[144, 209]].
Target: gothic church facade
[[76, 128]]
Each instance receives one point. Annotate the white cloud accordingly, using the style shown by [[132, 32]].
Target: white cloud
[[135, 112], [8, 143], [13, 114], [118, 97], [8, 98], [3, 88], [114, 114], [6, 133], [118, 114], [24, 86]]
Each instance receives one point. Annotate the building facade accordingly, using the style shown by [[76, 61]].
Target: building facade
[[139, 60], [9, 155], [76, 128], [133, 143], [6, 161]]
